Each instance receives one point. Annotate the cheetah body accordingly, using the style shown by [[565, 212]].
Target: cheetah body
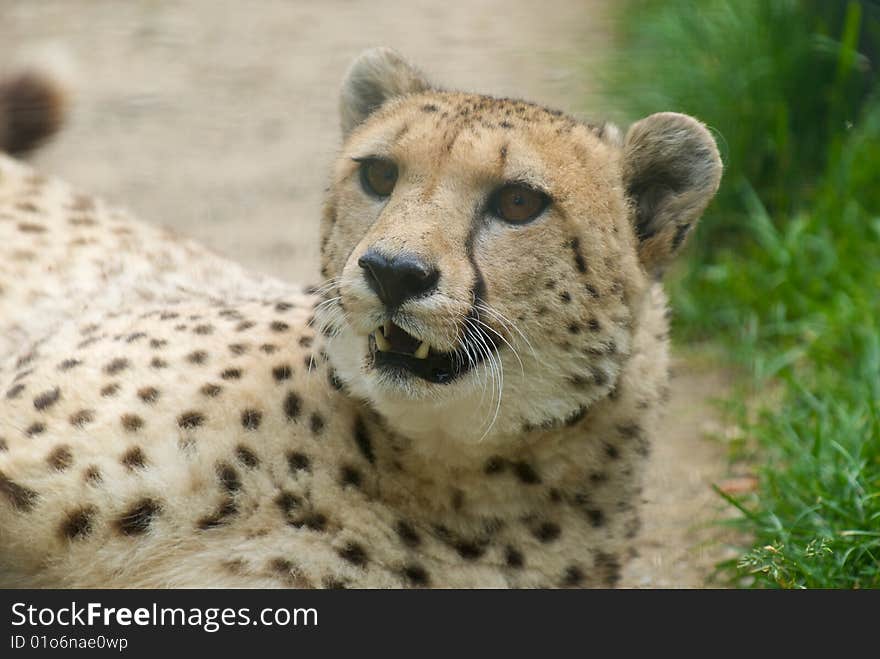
[[168, 419]]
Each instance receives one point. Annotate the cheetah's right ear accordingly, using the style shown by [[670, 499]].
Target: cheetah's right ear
[[671, 170], [375, 77]]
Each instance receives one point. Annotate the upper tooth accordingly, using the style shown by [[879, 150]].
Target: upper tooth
[[422, 351], [381, 342], [387, 327]]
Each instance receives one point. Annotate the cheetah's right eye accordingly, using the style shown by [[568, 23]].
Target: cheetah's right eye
[[378, 176]]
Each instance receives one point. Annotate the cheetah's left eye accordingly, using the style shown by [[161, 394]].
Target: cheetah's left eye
[[518, 203]]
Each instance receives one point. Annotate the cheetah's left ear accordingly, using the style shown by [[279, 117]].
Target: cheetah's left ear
[[671, 170], [375, 77]]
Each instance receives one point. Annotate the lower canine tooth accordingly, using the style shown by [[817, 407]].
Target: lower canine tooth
[[422, 351], [381, 342]]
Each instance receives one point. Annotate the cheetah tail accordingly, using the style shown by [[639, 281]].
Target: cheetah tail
[[33, 107]]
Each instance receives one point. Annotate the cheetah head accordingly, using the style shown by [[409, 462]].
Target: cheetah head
[[487, 259]]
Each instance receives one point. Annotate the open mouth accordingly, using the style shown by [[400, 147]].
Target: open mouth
[[395, 350]]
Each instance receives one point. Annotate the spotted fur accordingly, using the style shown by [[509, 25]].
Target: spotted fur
[[168, 419]]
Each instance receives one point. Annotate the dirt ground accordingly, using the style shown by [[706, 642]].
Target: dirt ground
[[219, 119]]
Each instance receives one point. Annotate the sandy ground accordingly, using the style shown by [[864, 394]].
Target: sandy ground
[[219, 119]]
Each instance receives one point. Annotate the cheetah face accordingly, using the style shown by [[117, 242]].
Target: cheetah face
[[486, 259]]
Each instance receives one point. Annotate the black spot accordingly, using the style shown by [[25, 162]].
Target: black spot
[[298, 461], [547, 532], [281, 566], [526, 473], [131, 422], [629, 430], [30, 227], [137, 519], [131, 338], [3, 445], [203, 330], [47, 399], [269, 348], [591, 290], [429, 107], [565, 296], [77, 524], [244, 325], [416, 575], [354, 554], [68, 364], [229, 480], [21, 498], [513, 557], [250, 419], [35, 429], [364, 443], [231, 374], [158, 343], [246, 456], [157, 362], [116, 366], [238, 348], [191, 419], [197, 357], [14, 391], [92, 475], [316, 423], [494, 465], [281, 307], [288, 502], [282, 372], [470, 551], [596, 517], [133, 459], [292, 405], [594, 325], [609, 566], [24, 360], [579, 381], [612, 451], [211, 390], [407, 534], [350, 476], [278, 326], [574, 328], [81, 418], [220, 516], [312, 521], [148, 394], [573, 576], [306, 341], [579, 263]]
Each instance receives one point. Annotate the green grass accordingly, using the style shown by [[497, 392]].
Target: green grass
[[785, 272]]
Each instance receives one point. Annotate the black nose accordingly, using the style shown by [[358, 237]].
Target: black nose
[[398, 279]]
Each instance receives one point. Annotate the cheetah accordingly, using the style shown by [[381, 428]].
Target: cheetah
[[466, 399]]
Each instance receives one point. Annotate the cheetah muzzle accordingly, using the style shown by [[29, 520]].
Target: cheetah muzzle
[[466, 399]]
